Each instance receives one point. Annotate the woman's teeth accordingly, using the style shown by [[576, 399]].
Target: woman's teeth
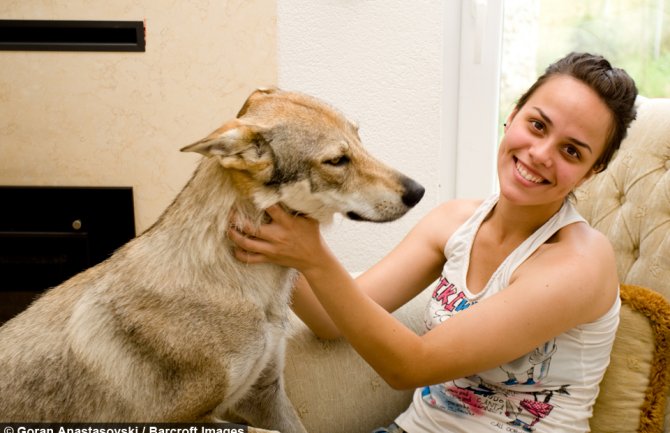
[[528, 176]]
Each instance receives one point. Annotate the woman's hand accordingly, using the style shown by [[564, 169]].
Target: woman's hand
[[287, 240]]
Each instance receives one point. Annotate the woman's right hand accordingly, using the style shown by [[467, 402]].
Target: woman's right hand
[[287, 240]]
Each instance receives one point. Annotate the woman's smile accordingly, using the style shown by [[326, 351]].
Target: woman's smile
[[527, 174]]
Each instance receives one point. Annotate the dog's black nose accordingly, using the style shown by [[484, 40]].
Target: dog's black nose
[[413, 192]]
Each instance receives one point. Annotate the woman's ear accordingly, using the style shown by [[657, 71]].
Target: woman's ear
[[510, 118]]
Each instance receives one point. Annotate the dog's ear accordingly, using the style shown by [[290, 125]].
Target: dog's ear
[[257, 94], [239, 146], [229, 139]]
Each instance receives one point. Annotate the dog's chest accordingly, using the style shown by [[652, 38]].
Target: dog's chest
[[271, 304], [270, 291]]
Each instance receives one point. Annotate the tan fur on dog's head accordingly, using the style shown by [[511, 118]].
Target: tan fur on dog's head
[[290, 148]]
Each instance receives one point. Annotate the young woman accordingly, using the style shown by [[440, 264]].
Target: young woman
[[525, 308]]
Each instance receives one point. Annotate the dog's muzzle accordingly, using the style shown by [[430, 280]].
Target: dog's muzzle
[[412, 194]]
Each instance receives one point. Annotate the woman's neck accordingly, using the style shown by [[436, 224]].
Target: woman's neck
[[510, 221]]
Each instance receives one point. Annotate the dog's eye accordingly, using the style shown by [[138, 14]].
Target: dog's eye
[[338, 161]]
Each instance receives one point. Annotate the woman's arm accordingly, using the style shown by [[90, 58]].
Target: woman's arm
[[568, 284], [410, 267], [306, 306]]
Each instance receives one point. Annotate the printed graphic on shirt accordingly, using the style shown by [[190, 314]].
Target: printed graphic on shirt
[[447, 300], [531, 368], [516, 410], [512, 411]]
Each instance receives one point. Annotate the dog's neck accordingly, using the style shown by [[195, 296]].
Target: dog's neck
[[209, 204], [266, 218], [192, 234]]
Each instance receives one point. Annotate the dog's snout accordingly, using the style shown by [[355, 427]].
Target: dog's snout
[[413, 192]]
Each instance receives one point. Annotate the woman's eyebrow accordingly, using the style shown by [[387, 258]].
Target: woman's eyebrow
[[573, 140]]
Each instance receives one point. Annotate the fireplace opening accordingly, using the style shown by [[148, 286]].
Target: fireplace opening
[[49, 234]]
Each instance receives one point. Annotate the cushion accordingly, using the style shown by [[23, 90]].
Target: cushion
[[633, 392], [332, 387], [630, 201]]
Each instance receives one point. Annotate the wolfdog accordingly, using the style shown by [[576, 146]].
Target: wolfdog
[[172, 328]]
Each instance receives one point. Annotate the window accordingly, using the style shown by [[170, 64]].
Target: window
[[632, 34], [506, 44]]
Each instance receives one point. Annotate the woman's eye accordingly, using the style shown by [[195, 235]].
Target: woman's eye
[[338, 161], [573, 152], [537, 125]]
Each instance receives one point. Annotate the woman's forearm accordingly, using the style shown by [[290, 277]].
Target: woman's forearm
[[382, 340], [308, 308]]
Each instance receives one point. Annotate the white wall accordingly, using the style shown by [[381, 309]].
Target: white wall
[[391, 65]]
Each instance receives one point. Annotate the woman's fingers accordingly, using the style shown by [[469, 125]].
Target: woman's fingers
[[277, 213], [243, 225], [266, 231], [287, 240], [247, 247], [248, 257]]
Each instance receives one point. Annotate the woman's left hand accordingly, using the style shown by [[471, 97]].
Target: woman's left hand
[[287, 240]]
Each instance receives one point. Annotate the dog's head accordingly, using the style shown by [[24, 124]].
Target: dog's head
[[294, 149]]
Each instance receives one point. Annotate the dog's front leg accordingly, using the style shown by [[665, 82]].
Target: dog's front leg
[[267, 405]]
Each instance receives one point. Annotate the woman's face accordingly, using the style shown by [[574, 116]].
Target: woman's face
[[552, 142]]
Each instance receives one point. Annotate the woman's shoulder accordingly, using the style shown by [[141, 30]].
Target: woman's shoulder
[[457, 210], [443, 220], [584, 260], [581, 237], [576, 242]]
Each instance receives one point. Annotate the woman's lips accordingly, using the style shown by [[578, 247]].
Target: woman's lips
[[526, 174]]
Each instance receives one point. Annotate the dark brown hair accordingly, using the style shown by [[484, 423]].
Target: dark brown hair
[[614, 86]]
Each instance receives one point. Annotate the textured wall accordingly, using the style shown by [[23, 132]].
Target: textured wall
[[381, 62], [108, 119], [120, 118]]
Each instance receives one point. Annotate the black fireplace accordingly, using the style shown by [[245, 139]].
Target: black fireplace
[[48, 234]]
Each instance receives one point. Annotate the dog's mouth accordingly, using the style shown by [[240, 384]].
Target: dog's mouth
[[355, 217], [358, 217], [351, 215]]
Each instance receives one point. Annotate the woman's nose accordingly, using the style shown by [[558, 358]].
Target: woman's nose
[[541, 153]]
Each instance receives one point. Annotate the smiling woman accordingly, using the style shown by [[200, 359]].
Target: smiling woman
[[552, 142], [523, 315]]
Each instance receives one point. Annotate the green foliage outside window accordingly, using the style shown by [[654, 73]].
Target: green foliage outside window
[[633, 34]]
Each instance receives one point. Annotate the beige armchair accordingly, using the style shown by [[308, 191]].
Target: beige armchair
[[334, 391]]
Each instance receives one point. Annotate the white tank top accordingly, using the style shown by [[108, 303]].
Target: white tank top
[[551, 389]]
